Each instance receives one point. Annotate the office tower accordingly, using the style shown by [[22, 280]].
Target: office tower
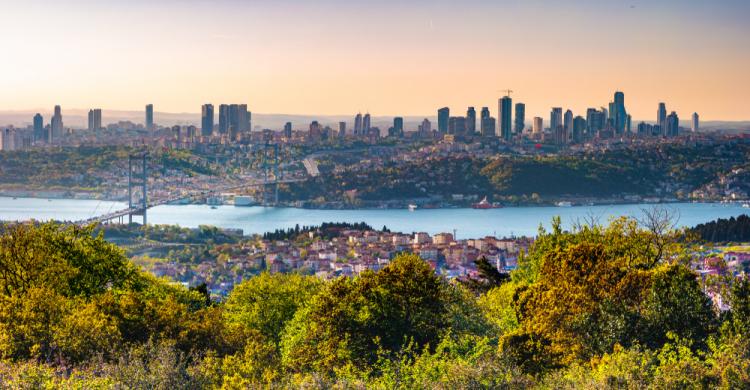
[[555, 119], [56, 125], [504, 116], [629, 124], [398, 126], [243, 119], [315, 131], [443, 118], [425, 129], [150, 117], [288, 130], [568, 124], [538, 126], [618, 113], [484, 127], [644, 129], [366, 125], [579, 127], [673, 125], [457, 125], [342, 129], [95, 119], [520, 121], [224, 118], [358, 124], [595, 121], [471, 121], [661, 118], [695, 125], [39, 128], [207, 120], [489, 125]]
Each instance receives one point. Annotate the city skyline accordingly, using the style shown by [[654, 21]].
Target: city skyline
[[402, 60]]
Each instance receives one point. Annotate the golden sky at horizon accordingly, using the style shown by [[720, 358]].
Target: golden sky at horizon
[[339, 57]]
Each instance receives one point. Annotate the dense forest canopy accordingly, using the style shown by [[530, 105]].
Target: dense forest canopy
[[596, 307]]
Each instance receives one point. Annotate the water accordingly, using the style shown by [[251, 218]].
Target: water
[[467, 222]]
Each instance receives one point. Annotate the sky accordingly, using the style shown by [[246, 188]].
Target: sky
[[387, 57]]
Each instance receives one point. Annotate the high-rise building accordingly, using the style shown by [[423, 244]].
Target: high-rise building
[[315, 131], [366, 124], [444, 115], [150, 117], [661, 118], [579, 127], [207, 120], [471, 121], [223, 118], [425, 129], [358, 124], [457, 125], [288, 130], [8, 138], [618, 113], [673, 125], [568, 124], [538, 126], [95, 119], [555, 119], [504, 116], [484, 127], [695, 125], [56, 125], [39, 128], [398, 127], [342, 129], [595, 121], [520, 121]]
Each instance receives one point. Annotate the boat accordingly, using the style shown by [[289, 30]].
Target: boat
[[746, 205], [213, 207], [564, 204], [412, 207], [483, 204]]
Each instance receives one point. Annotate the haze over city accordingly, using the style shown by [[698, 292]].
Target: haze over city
[[388, 58]]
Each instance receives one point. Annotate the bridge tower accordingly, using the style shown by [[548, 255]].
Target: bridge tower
[[137, 182], [270, 164]]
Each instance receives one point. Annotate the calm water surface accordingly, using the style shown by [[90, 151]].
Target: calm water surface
[[466, 222]]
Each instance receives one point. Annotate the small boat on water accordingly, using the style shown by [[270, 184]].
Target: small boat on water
[[484, 205], [746, 205], [412, 207], [564, 204]]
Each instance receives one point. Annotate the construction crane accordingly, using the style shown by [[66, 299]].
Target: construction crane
[[507, 92]]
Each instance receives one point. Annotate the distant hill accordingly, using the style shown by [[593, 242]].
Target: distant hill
[[77, 118]]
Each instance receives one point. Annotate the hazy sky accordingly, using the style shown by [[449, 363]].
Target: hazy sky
[[389, 57]]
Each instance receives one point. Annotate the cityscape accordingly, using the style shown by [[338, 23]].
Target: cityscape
[[375, 195]]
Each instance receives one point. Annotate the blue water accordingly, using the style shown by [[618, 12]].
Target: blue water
[[467, 222]]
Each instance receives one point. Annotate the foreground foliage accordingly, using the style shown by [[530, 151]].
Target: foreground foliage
[[597, 307]]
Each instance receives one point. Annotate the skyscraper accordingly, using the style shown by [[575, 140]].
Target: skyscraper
[[39, 128], [398, 126], [366, 125], [568, 124], [342, 129], [538, 126], [444, 115], [223, 118], [471, 121], [358, 124], [288, 130], [484, 123], [504, 116], [95, 119], [425, 129], [56, 125], [661, 118], [579, 126], [618, 113], [520, 121], [695, 125], [673, 125], [150, 117], [207, 120], [555, 119]]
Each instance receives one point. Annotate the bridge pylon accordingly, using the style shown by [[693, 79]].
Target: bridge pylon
[[137, 186]]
